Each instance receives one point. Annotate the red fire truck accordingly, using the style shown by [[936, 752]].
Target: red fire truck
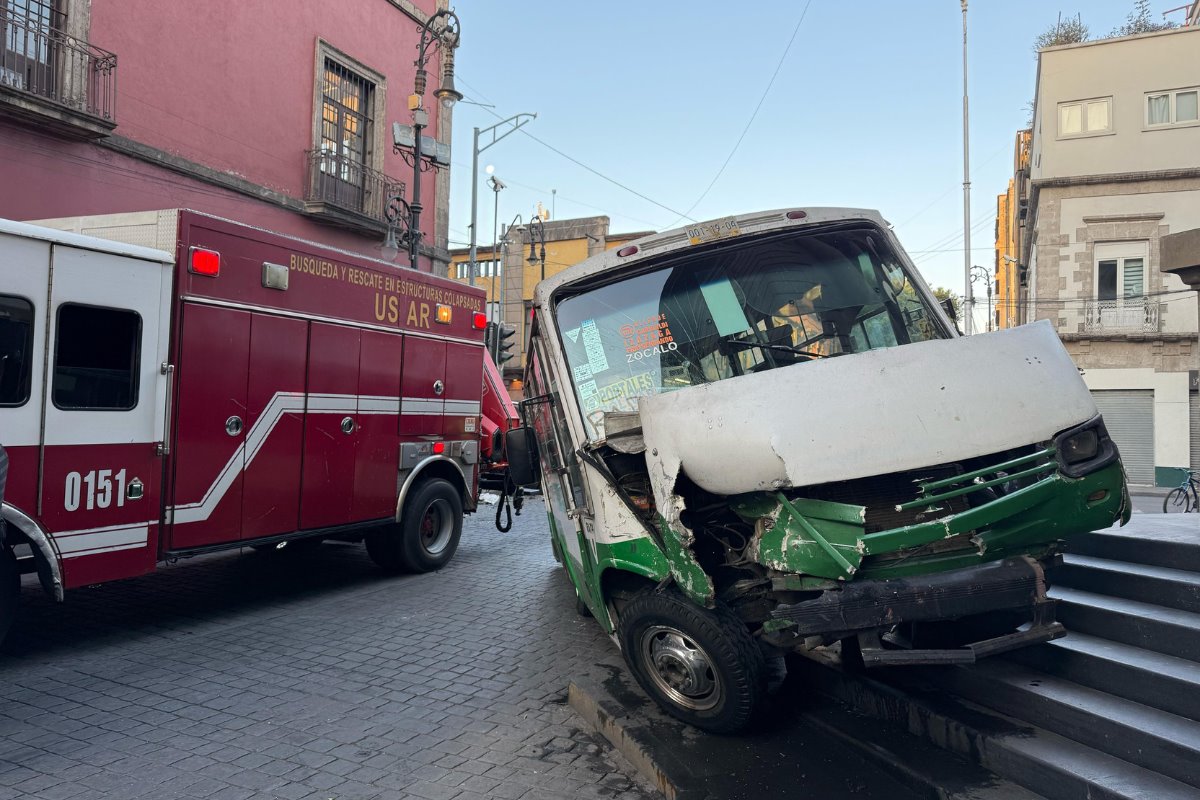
[[222, 387]]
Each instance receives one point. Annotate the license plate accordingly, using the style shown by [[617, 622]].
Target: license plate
[[710, 231]]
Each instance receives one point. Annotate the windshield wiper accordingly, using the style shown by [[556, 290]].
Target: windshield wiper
[[782, 348]]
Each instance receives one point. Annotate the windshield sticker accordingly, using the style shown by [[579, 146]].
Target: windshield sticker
[[594, 347], [573, 335], [587, 395], [583, 373], [726, 311], [633, 386], [651, 332]]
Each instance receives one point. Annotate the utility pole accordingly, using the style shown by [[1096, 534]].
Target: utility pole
[[969, 299], [516, 121]]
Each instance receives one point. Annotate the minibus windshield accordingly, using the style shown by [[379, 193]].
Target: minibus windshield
[[744, 307]]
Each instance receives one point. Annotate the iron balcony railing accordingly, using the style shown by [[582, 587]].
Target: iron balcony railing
[[1123, 315], [45, 62], [347, 184]]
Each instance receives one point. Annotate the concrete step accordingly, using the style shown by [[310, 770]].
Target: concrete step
[[1143, 676], [1145, 625], [918, 763], [1148, 737], [1054, 766], [1173, 588], [1173, 552]]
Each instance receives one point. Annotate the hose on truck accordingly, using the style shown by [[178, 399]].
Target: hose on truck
[[511, 497]]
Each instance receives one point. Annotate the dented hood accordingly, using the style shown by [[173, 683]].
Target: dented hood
[[866, 414]]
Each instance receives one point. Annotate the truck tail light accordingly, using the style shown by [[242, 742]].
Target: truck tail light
[[204, 262], [439, 448], [443, 314], [479, 321]]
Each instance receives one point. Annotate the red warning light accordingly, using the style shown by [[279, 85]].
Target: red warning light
[[439, 448], [479, 321], [204, 262], [627, 251]]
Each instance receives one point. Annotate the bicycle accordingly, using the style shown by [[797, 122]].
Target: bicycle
[[1177, 500]]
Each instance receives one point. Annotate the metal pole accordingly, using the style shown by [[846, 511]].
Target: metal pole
[[414, 233], [970, 296], [516, 120], [498, 263], [475, 205]]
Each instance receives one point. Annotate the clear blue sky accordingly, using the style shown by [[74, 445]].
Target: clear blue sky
[[866, 110]]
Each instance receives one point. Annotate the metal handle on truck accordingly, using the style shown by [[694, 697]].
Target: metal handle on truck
[[164, 447]]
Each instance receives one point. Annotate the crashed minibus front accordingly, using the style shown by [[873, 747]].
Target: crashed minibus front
[[763, 434]]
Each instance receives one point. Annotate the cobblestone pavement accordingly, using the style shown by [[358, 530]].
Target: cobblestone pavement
[[312, 675]]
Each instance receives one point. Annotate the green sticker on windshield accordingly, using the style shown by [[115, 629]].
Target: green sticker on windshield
[[724, 306]]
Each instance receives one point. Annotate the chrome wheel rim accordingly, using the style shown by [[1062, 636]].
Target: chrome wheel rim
[[437, 526], [680, 668]]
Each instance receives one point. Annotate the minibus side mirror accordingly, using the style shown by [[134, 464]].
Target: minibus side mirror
[[520, 449], [951, 311]]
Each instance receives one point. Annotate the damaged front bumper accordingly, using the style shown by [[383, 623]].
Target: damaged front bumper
[[865, 608]]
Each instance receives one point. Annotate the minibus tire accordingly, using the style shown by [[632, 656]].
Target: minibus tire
[[430, 526], [714, 644], [10, 590]]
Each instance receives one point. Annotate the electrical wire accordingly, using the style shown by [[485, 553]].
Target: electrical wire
[[572, 159], [749, 122]]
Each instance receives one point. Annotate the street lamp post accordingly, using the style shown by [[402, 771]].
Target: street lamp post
[[504, 281], [537, 232], [441, 32], [517, 120], [970, 298], [981, 273], [496, 185]]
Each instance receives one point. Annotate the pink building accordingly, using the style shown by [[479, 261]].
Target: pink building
[[278, 114]]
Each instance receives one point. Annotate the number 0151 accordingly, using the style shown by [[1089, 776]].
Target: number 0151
[[95, 489]]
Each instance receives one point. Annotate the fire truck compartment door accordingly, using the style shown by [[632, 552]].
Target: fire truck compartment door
[[104, 412], [210, 427], [423, 385], [330, 426]]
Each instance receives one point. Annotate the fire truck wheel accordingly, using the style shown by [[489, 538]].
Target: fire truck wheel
[[431, 526], [702, 666], [427, 535], [10, 590]]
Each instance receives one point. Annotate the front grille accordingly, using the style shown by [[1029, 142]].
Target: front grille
[[885, 496]]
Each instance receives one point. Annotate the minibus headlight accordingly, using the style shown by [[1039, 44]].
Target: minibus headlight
[[1080, 446], [1085, 448]]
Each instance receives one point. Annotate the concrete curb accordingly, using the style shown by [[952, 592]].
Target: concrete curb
[[645, 751]]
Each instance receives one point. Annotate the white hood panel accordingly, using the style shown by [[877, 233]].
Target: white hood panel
[[872, 413]]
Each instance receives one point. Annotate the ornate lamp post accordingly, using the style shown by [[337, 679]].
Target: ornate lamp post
[[981, 273], [440, 32], [537, 233]]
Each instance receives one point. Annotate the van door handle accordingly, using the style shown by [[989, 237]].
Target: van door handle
[[347, 425], [233, 425]]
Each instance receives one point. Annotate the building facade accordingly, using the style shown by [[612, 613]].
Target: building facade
[[1114, 165], [510, 277], [276, 114], [1012, 209]]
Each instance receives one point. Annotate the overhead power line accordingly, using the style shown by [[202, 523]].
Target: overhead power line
[[574, 160], [750, 121]]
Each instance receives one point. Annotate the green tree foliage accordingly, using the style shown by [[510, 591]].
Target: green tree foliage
[[1071, 30], [941, 293], [1140, 21]]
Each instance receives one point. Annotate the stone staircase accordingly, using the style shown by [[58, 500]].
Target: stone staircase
[[1112, 710]]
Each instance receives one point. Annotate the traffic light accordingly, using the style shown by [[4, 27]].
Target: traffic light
[[489, 337], [504, 346]]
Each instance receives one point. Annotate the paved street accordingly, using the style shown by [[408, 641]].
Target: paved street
[[297, 676]]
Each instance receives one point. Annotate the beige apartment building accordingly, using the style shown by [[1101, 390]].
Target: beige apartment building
[[1114, 166]]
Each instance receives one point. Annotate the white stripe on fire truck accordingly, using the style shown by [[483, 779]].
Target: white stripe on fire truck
[[316, 403], [90, 541]]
